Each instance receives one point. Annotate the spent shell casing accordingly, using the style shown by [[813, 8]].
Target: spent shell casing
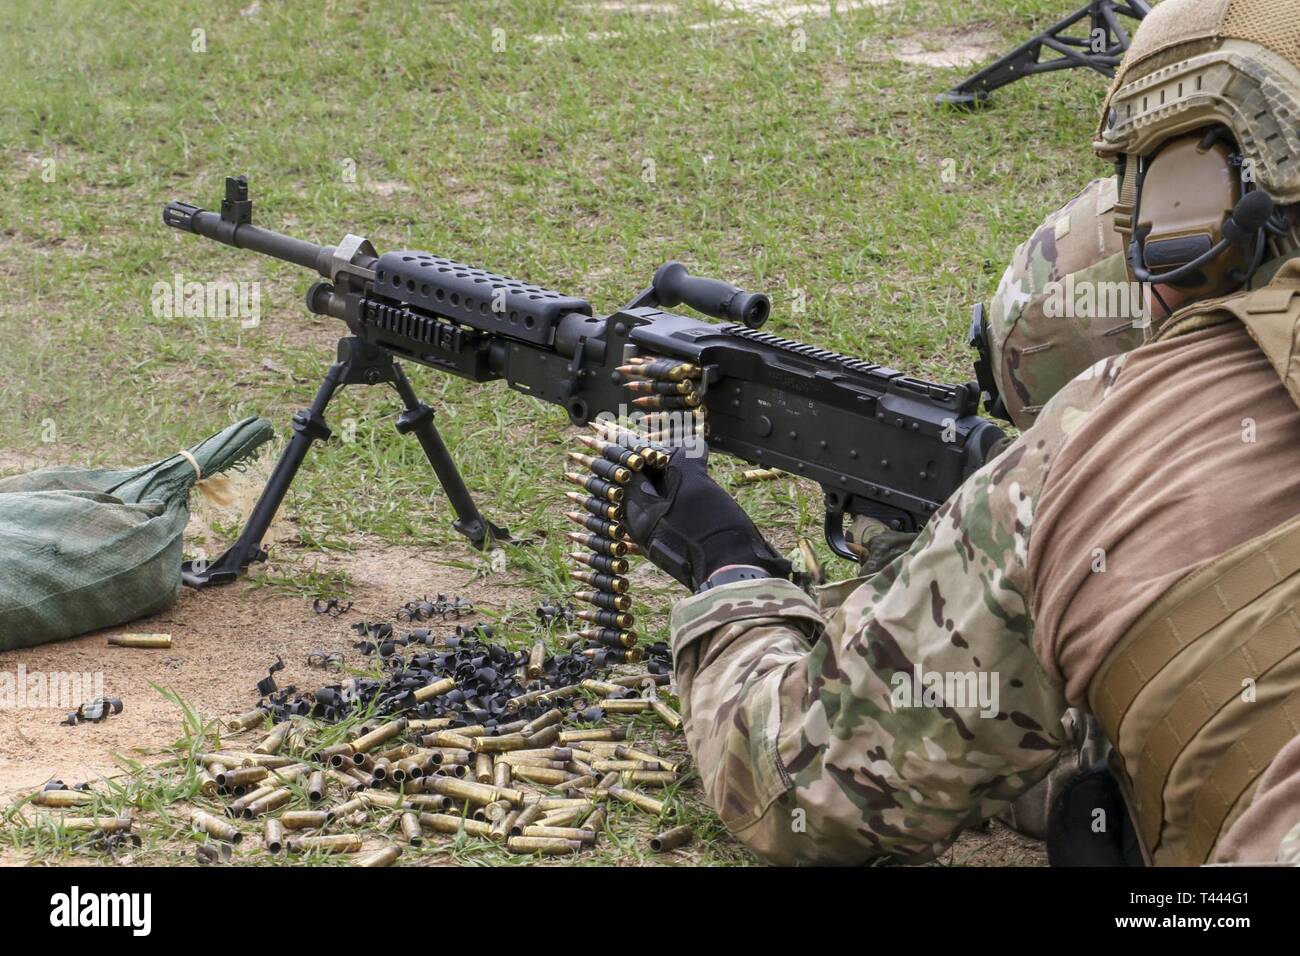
[[641, 680], [606, 529], [605, 600], [543, 738], [441, 756], [155, 641], [754, 475], [548, 846], [236, 809], [316, 786], [483, 768], [412, 832], [343, 781], [207, 782], [649, 778], [624, 752], [602, 618], [447, 823], [330, 843], [477, 793], [568, 817], [587, 837], [594, 733], [627, 705], [596, 506], [273, 741], [304, 819], [531, 813], [601, 562], [215, 827], [546, 776], [502, 826], [385, 857], [273, 835], [448, 739], [583, 782], [272, 801], [536, 660], [666, 713], [409, 768], [118, 824], [250, 718], [428, 723], [432, 802], [601, 582], [598, 543], [599, 487], [379, 735], [381, 769], [336, 755], [436, 689], [602, 687], [642, 802], [241, 776], [609, 637], [605, 766], [596, 822], [501, 774], [356, 804], [380, 798], [671, 839], [498, 744], [548, 719], [362, 761]]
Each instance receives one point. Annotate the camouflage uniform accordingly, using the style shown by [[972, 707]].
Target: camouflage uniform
[[1036, 351]]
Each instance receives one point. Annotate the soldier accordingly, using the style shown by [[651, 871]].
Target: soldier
[[1135, 553]]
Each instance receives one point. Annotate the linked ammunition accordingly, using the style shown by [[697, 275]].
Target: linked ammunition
[[272, 801], [548, 846], [666, 714], [330, 843], [304, 819], [671, 839], [536, 660], [616, 619], [273, 835], [670, 370], [648, 387], [156, 641], [379, 735], [642, 802], [603, 468], [446, 823], [604, 599], [483, 768], [609, 637], [598, 543], [412, 832], [601, 488], [606, 529], [601, 582], [215, 827], [273, 741], [385, 857], [615, 453], [601, 562], [667, 402]]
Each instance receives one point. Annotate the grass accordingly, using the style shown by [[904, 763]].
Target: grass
[[810, 165]]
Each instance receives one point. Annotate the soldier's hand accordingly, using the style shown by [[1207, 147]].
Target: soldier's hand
[[687, 525], [877, 546]]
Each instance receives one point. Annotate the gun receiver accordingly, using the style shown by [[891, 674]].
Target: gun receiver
[[879, 442]]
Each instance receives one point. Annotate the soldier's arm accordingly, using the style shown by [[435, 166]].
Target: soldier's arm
[[812, 741]]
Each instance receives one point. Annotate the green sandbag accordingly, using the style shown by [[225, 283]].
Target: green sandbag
[[83, 549]]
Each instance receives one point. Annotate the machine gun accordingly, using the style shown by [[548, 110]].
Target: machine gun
[[880, 443]]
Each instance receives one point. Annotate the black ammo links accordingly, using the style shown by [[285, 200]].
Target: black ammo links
[[879, 442]]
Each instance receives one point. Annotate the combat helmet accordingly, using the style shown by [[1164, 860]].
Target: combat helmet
[[1207, 100]]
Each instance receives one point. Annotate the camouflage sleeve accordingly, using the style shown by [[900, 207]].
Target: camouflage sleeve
[[913, 710], [1063, 304]]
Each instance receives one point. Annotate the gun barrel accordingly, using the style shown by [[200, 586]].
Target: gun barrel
[[245, 235]]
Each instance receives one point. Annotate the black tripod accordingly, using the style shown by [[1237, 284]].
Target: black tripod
[[358, 364], [1101, 50]]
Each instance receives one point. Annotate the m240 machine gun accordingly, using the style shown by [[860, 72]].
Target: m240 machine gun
[[879, 442]]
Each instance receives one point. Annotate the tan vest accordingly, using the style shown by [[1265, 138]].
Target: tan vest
[[1203, 690]]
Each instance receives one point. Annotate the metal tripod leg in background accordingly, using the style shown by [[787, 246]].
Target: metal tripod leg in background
[[1101, 49], [358, 364]]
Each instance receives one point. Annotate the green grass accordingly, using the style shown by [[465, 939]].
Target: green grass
[[809, 170]]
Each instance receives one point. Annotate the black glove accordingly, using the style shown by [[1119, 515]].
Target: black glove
[[688, 526]]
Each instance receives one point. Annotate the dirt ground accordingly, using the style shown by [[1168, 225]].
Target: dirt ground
[[224, 639]]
